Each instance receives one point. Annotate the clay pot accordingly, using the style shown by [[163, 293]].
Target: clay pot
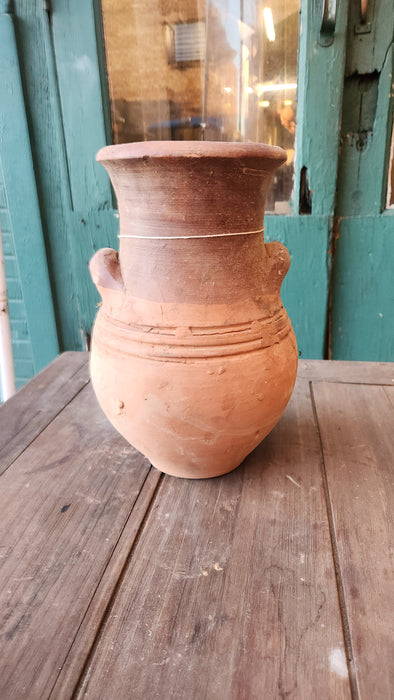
[[193, 355]]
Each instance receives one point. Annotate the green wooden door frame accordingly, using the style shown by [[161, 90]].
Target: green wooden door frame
[[59, 57], [362, 291], [342, 152], [308, 232], [23, 206]]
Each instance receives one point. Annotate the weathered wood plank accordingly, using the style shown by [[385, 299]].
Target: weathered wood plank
[[390, 394], [30, 410], [79, 651], [347, 371], [366, 120], [319, 99], [363, 330], [23, 206], [38, 73], [356, 426], [230, 591], [306, 238], [64, 504], [75, 47]]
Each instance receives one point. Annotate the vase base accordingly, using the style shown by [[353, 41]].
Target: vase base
[[193, 472]]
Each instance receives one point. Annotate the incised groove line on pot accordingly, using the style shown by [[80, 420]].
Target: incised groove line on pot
[[182, 342]]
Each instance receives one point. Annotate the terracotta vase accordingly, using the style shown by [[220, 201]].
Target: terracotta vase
[[193, 355]]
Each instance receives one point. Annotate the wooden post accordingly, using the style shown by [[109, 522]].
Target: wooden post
[[7, 374]]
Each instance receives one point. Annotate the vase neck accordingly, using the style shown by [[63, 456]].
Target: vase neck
[[184, 197]]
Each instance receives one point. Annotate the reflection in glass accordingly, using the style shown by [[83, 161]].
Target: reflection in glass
[[219, 70]]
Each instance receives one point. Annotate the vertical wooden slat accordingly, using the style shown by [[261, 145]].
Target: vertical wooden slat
[[367, 111], [21, 343], [356, 427], [72, 35], [305, 288], [78, 73], [62, 127], [362, 282], [363, 290], [320, 85], [20, 184]]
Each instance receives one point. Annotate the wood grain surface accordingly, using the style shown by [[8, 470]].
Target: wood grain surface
[[358, 447], [100, 605], [30, 410], [347, 372], [273, 581], [230, 592], [63, 504]]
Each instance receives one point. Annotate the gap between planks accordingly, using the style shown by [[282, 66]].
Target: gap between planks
[[335, 554], [65, 686], [347, 372], [129, 598]]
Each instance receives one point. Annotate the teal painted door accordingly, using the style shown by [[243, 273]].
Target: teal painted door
[[34, 332], [362, 291], [52, 124], [345, 127], [338, 289]]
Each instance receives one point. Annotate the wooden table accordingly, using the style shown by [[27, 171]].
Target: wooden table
[[273, 581]]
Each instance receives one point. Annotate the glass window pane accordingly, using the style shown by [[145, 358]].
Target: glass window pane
[[219, 70]]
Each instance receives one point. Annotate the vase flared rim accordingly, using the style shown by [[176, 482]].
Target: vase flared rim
[[191, 149]]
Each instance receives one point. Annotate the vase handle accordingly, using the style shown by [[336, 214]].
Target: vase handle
[[278, 263], [105, 271]]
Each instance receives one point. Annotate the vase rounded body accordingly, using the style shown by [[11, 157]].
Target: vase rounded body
[[193, 355]]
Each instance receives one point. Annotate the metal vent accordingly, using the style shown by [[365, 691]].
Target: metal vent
[[189, 40]]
